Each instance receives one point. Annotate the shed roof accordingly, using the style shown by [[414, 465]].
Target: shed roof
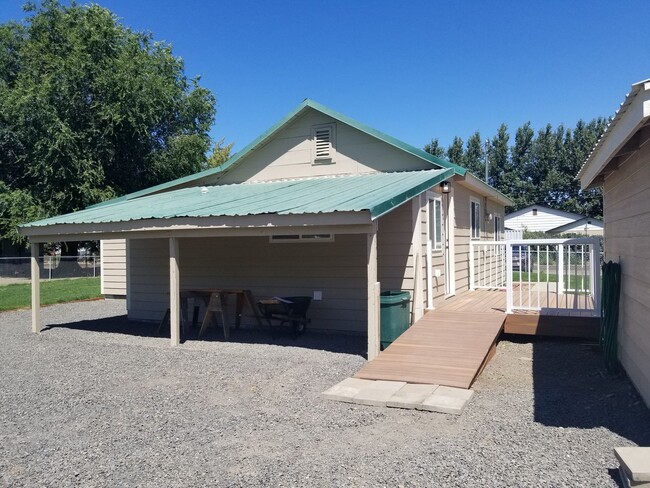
[[377, 193]]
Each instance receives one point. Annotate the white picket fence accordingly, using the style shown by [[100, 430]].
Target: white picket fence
[[560, 275]]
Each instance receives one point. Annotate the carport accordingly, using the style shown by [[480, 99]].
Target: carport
[[350, 205]]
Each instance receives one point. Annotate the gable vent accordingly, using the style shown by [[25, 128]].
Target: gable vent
[[323, 143]]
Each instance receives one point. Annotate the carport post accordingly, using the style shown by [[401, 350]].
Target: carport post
[[373, 296], [36, 290], [174, 293]]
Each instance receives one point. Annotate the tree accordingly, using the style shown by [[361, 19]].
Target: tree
[[220, 154], [90, 109], [455, 152], [435, 148], [474, 159]]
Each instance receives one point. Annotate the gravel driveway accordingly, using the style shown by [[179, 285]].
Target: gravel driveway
[[106, 403]]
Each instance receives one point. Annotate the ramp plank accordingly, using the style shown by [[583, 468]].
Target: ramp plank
[[445, 347]]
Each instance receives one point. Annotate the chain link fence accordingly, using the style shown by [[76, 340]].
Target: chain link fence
[[15, 270]]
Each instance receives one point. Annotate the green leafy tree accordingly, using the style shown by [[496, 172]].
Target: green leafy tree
[[220, 154], [90, 109]]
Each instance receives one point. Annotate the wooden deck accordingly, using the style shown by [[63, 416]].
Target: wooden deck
[[447, 348], [451, 345]]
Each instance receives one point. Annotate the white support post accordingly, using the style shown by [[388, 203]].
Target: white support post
[[509, 286], [174, 293], [472, 284], [560, 269], [36, 290], [595, 275], [374, 331]]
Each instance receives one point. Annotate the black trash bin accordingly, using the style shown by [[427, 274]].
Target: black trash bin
[[394, 315]]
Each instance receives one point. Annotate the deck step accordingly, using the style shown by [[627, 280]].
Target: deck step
[[447, 348]]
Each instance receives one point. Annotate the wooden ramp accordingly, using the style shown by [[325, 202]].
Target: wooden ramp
[[448, 348]]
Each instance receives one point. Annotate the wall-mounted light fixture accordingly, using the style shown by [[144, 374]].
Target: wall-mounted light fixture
[[445, 187]]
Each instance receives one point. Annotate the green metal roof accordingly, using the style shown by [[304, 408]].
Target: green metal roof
[[377, 193], [262, 139]]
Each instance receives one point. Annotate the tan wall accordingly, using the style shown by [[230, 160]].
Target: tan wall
[[462, 199], [113, 267], [289, 155], [337, 269], [626, 201]]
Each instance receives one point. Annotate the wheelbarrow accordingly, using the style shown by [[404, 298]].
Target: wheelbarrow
[[281, 311]]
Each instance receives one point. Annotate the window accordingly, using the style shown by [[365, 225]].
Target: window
[[301, 238], [435, 223], [475, 219], [497, 227], [323, 144]]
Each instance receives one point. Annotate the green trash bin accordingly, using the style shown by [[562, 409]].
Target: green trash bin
[[394, 315]]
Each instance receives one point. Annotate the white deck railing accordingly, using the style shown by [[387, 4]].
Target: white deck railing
[[560, 275]]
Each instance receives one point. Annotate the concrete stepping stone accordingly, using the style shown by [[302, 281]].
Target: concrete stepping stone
[[635, 466], [378, 392], [446, 399], [346, 390], [411, 396]]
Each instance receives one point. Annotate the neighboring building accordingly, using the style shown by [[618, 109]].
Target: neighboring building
[[620, 163], [538, 218], [318, 205]]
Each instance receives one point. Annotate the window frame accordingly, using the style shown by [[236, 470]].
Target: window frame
[[437, 241], [498, 227], [474, 217]]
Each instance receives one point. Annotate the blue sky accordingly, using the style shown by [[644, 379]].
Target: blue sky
[[414, 69]]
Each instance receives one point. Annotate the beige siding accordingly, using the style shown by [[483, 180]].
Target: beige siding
[[148, 278], [626, 201], [337, 269], [394, 251], [113, 267], [462, 198], [289, 154]]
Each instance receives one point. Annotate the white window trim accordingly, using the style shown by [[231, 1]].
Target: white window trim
[[302, 238], [498, 234], [478, 219], [436, 247], [331, 158]]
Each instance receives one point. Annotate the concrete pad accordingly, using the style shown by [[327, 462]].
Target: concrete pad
[[410, 396], [346, 390], [446, 399], [378, 393], [635, 464]]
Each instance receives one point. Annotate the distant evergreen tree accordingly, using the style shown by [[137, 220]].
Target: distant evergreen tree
[[435, 148], [538, 168]]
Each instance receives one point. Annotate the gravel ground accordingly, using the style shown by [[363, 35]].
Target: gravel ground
[[106, 403]]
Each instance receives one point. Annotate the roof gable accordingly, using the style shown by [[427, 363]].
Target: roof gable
[[265, 137], [544, 209]]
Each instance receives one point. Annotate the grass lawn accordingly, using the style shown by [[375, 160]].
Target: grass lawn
[[54, 291], [582, 282]]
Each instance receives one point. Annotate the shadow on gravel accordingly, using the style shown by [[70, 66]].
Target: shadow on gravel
[[119, 324], [572, 388]]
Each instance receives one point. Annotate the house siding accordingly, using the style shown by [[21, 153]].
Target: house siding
[[289, 154], [626, 199], [113, 267], [542, 222], [337, 269]]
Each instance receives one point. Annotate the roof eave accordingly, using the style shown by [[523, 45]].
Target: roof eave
[[633, 114], [484, 189]]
